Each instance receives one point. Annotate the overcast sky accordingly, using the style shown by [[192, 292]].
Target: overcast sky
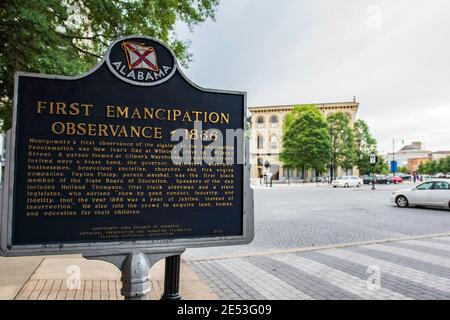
[[393, 55]]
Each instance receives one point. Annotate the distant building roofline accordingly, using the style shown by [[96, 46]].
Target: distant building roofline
[[331, 104]]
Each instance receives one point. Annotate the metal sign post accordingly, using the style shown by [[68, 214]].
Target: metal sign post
[[135, 268], [172, 279], [373, 162]]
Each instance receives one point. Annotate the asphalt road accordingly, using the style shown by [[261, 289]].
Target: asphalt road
[[295, 217]]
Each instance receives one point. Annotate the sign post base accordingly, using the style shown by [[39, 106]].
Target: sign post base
[[135, 268]]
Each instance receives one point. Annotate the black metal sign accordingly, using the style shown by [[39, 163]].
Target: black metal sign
[[131, 155]]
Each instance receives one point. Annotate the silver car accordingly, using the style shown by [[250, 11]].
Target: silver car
[[347, 182], [435, 193]]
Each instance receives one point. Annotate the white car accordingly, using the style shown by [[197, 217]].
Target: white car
[[347, 182], [435, 193]]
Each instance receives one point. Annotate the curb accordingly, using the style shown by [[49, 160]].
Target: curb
[[320, 248]]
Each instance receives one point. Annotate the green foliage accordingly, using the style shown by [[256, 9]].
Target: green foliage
[[422, 168], [68, 37], [382, 167], [306, 141], [345, 146], [365, 146], [342, 140], [434, 166], [403, 170], [296, 112]]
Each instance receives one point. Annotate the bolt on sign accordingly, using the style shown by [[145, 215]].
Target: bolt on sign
[[130, 156]]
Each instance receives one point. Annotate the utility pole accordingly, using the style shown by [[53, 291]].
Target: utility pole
[[373, 162], [393, 153]]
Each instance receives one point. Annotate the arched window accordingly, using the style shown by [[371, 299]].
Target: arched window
[[274, 121], [260, 142], [260, 162], [260, 122], [274, 142]]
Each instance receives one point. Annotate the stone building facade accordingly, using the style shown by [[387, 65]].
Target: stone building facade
[[267, 133]]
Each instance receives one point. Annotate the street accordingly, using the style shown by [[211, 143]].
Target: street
[[315, 242], [291, 217]]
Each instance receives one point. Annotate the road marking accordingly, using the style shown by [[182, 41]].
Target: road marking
[[338, 278], [318, 248], [410, 274], [433, 245], [418, 255], [266, 284], [302, 281], [408, 288]]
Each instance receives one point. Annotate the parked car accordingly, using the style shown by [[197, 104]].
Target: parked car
[[347, 182], [395, 179], [367, 179], [405, 177], [382, 179], [435, 193]]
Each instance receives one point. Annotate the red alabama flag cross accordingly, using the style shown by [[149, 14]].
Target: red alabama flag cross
[[140, 56]]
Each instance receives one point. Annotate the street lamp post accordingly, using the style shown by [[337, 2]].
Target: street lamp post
[[331, 162], [267, 166]]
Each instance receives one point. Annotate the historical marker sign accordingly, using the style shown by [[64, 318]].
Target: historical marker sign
[[131, 156]]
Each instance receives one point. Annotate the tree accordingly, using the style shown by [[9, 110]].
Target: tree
[[365, 146], [443, 165], [297, 111], [382, 167], [306, 141], [342, 141], [69, 37], [446, 165], [433, 167], [403, 169], [424, 168]]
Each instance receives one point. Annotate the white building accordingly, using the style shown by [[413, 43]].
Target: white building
[[408, 152]]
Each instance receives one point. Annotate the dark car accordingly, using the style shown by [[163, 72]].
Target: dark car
[[405, 177], [382, 179], [367, 179]]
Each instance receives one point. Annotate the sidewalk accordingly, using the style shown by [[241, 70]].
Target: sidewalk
[[49, 278]]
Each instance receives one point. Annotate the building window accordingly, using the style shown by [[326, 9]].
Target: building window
[[274, 122], [274, 142], [260, 162], [260, 142], [260, 122]]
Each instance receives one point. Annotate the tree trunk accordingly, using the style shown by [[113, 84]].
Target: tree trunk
[[304, 174]]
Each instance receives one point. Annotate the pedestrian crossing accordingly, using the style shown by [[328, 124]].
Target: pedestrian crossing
[[404, 270]]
